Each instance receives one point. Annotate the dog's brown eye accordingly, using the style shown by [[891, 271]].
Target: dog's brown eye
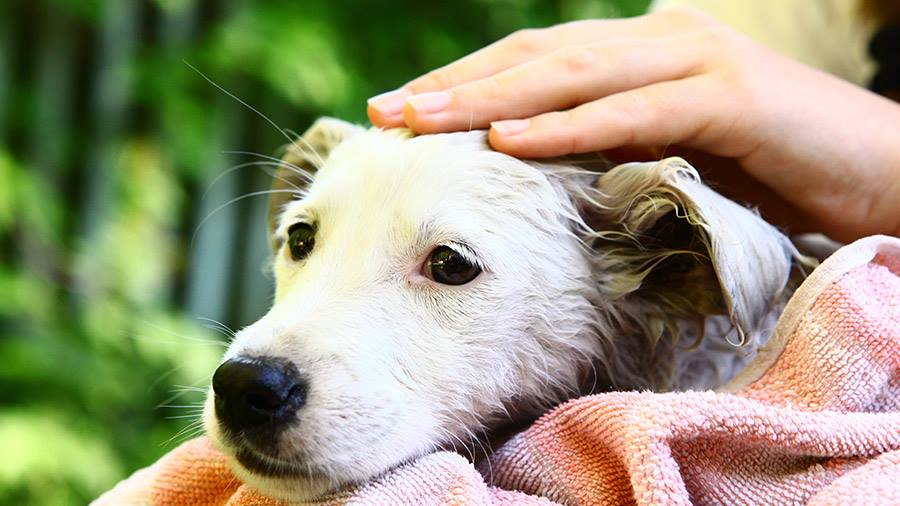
[[448, 267], [301, 239]]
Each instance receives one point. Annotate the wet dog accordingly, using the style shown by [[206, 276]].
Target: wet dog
[[430, 290]]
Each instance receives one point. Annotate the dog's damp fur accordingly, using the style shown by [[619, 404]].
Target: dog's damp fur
[[590, 274]]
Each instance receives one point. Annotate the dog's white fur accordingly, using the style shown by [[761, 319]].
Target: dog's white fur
[[400, 365]]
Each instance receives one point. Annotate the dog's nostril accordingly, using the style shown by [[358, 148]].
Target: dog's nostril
[[262, 402], [257, 392]]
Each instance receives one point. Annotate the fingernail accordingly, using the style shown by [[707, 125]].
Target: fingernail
[[389, 103], [429, 103], [510, 126]]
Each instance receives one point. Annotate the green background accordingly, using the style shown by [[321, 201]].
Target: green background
[[117, 250]]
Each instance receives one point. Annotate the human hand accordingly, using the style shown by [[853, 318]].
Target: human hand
[[827, 148]]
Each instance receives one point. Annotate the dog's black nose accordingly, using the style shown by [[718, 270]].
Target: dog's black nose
[[253, 393]]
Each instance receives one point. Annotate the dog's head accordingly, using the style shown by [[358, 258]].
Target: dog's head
[[429, 288]]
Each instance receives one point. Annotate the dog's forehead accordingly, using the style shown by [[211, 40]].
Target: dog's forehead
[[377, 178], [392, 170]]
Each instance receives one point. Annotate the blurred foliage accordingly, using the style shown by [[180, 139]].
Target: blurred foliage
[[113, 157]]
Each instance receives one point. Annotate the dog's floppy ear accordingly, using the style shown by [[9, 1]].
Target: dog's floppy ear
[[302, 158], [670, 248]]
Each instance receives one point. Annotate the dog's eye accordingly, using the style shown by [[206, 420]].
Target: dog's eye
[[448, 267], [301, 239]]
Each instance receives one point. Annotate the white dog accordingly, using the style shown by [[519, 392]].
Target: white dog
[[430, 290]]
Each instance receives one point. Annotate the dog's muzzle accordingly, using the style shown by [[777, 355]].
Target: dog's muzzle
[[257, 395]]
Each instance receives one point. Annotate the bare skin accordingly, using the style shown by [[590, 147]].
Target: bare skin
[[817, 153]]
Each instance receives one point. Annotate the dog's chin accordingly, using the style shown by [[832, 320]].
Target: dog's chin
[[281, 480], [268, 467], [273, 477]]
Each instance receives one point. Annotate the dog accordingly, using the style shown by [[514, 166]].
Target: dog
[[430, 291]]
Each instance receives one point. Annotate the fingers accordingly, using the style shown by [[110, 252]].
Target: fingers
[[386, 110], [559, 80], [691, 112], [525, 45]]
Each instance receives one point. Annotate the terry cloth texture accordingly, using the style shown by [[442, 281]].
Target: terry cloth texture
[[814, 419]]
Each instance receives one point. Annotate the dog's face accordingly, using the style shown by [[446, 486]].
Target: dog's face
[[423, 286], [426, 288]]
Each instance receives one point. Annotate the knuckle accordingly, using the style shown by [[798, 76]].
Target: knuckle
[[570, 27], [635, 108], [706, 29], [525, 41], [645, 105], [576, 59], [733, 78], [740, 83], [721, 38], [489, 89], [440, 79]]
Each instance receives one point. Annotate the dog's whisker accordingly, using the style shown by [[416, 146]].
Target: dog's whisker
[[278, 162], [217, 325], [257, 112], [181, 417], [230, 170], [159, 340], [462, 445], [261, 164], [488, 451], [470, 435], [232, 201], [271, 161], [178, 394], [189, 431], [309, 149], [298, 190], [193, 425], [185, 408], [161, 378], [217, 322], [193, 340], [180, 391], [221, 329], [188, 389], [172, 333]]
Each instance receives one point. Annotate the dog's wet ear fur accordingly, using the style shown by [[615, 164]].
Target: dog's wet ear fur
[[671, 249], [301, 159]]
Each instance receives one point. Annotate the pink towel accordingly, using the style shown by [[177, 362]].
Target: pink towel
[[815, 418]]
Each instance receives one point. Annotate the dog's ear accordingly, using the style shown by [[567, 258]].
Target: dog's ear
[[672, 249], [301, 159]]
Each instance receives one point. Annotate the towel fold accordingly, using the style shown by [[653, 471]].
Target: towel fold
[[814, 419]]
